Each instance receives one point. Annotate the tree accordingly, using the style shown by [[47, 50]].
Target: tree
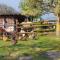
[[36, 7], [31, 7], [57, 12], [54, 6]]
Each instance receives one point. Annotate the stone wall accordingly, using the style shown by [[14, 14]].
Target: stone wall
[[7, 23]]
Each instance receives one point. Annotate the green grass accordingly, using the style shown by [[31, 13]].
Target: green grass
[[30, 47]]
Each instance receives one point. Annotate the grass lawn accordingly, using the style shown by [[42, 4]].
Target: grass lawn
[[30, 47]]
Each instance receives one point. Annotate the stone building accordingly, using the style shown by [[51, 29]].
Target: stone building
[[9, 18]]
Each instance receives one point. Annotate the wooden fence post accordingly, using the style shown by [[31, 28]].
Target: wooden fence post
[[4, 37]]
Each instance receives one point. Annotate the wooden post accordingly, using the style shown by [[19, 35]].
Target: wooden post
[[16, 28], [4, 37]]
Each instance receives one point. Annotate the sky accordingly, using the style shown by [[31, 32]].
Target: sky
[[15, 3], [12, 3], [49, 16]]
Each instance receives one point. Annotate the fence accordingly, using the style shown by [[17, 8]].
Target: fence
[[36, 28]]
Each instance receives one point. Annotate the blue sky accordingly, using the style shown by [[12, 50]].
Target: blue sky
[[15, 4], [49, 16]]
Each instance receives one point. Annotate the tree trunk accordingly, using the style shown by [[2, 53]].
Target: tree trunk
[[58, 26]]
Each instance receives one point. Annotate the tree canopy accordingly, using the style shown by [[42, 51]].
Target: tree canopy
[[37, 7], [31, 7], [57, 7]]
